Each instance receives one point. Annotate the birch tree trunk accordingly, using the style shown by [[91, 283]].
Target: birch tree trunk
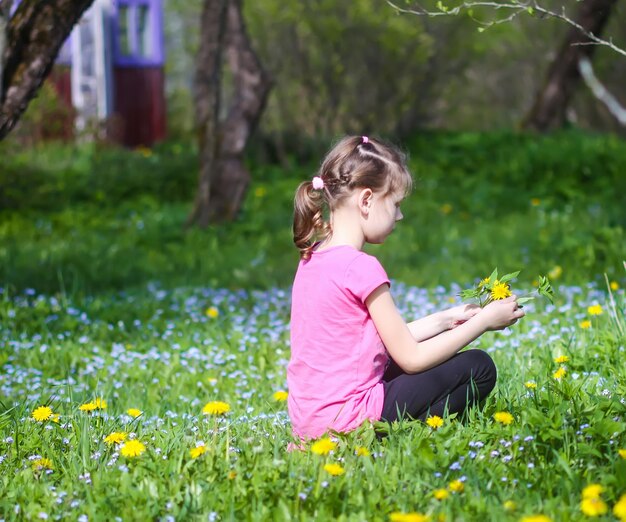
[[34, 35]]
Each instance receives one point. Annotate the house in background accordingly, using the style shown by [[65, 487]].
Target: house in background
[[111, 70]]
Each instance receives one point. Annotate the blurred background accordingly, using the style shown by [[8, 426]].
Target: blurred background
[[167, 137]]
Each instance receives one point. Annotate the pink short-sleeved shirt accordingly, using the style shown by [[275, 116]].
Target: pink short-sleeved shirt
[[337, 357]]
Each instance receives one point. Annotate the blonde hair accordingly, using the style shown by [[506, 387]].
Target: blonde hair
[[356, 162]]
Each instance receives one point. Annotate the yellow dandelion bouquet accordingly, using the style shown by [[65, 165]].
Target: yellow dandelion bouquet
[[493, 288]]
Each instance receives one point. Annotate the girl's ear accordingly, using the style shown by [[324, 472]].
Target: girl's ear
[[365, 200]]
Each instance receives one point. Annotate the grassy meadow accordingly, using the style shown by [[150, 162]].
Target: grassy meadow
[[143, 367]]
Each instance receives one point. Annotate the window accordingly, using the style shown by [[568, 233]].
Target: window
[[123, 30], [144, 32], [139, 33]]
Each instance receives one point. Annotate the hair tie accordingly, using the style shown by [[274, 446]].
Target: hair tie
[[365, 139], [318, 183]]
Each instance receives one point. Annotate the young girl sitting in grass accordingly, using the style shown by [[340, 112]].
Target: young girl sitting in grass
[[353, 357]]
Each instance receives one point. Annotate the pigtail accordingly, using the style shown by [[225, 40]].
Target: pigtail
[[308, 218]]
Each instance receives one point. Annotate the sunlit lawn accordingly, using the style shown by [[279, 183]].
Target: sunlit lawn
[[142, 367], [167, 353]]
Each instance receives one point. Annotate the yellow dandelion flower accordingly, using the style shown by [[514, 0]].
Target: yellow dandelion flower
[[585, 324], [42, 463], [216, 408], [323, 446], [560, 373], [232, 475], [530, 385], [280, 396], [144, 151], [43, 413], [594, 310], [484, 282], [212, 312], [434, 422], [100, 404], [88, 406], [614, 286], [592, 507], [362, 451], [622, 453], [197, 451], [55, 417], [446, 208], [536, 518], [509, 505], [334, 469], [116, 437], [593, 491], [619, 509], [503, 417], [441, 494], [556, 272], [500, 291], [457, 486], [561, 359], [132, 448], [398, 516], [134, 412], [535, 202]]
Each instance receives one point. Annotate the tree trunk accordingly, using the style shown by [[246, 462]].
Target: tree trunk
[[5, 14], [549, 109], [207, 103], [34, 36], [222, 185]]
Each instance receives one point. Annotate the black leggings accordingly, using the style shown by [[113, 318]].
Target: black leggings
[[453, 386]]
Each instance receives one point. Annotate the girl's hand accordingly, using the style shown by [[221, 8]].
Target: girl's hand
[[497, 315], [459, 314]]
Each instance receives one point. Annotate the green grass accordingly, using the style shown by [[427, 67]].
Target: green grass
[[158, 351], [104, 295], [91, 220]]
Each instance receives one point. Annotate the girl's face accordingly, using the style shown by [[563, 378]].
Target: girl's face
[[384, 212]]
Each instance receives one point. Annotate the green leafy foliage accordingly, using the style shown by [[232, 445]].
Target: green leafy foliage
[[484, 293], [545, 289], [341, 67], [91, 218]]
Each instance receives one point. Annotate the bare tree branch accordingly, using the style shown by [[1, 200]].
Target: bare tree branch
[[581, 64], [530, 7], [600, 91], [594, 39]]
